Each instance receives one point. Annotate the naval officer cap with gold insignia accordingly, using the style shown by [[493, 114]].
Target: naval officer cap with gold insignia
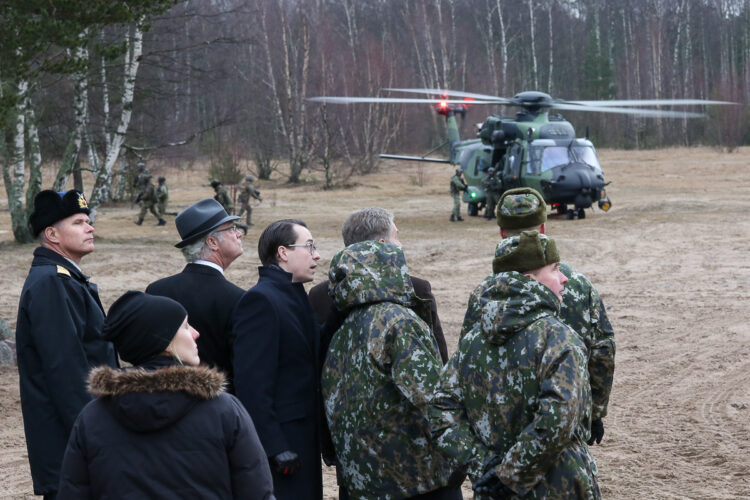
[[52, 206]]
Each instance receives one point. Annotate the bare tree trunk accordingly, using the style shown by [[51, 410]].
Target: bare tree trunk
[[80, 111], [503, 47], [102, 190], [532, 48], [35, 154], [15, 188], [551, 39]]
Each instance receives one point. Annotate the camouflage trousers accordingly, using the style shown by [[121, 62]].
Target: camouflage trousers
[[149, 206], [456, 206], [246, 207]]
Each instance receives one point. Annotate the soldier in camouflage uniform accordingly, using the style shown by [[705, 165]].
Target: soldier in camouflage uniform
[[162, 196], [139, 181], [493, 188], [457, 185], [514, 402], [223, 197], [248, 191], [381, 370], [582, 308], [147, 198]]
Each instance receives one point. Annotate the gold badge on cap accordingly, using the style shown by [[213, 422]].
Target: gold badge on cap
[[82, 203]]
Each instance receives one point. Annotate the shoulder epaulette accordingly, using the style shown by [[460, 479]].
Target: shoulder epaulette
[[62, 270]]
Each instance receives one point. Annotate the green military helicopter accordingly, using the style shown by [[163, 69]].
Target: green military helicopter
[[535, 148]]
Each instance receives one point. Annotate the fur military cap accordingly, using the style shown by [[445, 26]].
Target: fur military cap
[[521, 208], [526, 252], [51, 206]]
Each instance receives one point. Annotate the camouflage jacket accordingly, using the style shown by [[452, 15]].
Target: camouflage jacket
[[583, 310], [226, 201], [162, 193], [148, 194], [516, 387], [457, 185], [492, 184], [381, 369], [248, 191]]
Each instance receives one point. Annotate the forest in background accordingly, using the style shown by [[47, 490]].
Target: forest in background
[[227, 81]]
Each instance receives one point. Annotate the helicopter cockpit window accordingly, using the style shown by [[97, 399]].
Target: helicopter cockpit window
[[543, 158], [587, 155]]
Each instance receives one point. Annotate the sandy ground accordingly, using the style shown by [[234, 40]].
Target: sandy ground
[[670, 260]]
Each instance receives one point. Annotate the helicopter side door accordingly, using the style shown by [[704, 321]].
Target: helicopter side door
[[512, 167]]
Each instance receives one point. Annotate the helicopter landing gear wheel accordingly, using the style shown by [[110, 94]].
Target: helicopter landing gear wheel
[[570, 214], [562, 208], [472, 209], [581, 213]]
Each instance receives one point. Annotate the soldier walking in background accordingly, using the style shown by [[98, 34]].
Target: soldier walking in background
[[514, 403], [140, 176], [60, 319], [248, 191], [147, 198], [457, 186], [222, 196], [162, 196], [381, 369]]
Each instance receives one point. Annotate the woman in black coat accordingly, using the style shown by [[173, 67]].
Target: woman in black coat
[[161, 429]]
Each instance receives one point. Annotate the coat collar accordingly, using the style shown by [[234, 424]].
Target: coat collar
[[275, 274], [45, 256], [200, 382], [202, 269]]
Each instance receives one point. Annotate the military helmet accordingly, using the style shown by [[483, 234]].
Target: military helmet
[[140, 164], [491, 170], [459, 170], [162, 179], [215, 183], [249, 178]]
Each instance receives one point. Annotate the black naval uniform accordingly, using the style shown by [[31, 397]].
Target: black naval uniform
[[58, 339]]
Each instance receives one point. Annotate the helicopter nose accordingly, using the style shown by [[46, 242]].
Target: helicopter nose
[[577, 184]]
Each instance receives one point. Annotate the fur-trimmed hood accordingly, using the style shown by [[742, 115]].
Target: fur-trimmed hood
[[200, 382], [146, 400]]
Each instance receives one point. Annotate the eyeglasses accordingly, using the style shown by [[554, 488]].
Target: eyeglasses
[[310, 246], [230, 228]]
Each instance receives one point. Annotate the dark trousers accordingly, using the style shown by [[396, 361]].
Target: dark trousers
[[444, 493]]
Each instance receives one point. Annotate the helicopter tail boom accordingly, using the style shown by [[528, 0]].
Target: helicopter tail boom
[[413, 158]]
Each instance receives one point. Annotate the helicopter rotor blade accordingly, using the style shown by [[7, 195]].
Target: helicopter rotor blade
[[456, 93], [651, 102], [353, 100], [630, 111]]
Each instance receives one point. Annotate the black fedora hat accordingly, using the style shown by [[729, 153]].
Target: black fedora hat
[[199, 219]]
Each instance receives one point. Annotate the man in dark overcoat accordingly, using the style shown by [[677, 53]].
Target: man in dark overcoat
[[210, 243], [276, 359], [58, 332]]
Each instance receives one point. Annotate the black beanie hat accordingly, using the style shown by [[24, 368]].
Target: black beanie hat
[[141, 326], [51, 206]]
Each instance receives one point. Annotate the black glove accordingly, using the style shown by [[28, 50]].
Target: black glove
[[597, 432], [489, 484], [285, 463], [491, 463]]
